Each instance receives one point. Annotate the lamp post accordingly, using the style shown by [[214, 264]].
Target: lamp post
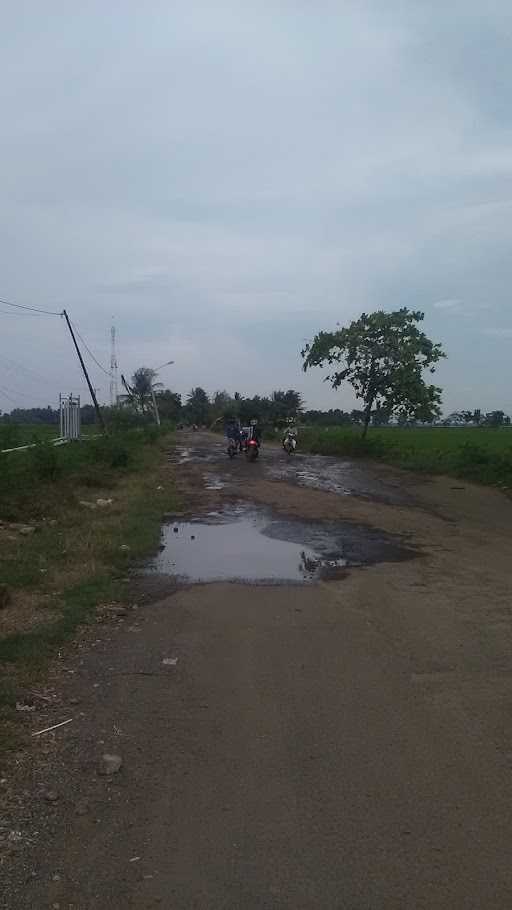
[[153, 396]]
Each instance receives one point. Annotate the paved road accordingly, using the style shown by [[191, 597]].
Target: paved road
[[344, 744]]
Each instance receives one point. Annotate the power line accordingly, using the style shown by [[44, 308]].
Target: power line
[[33, 309], [14, 392], [32, 375], [98, 364], [7, 396]]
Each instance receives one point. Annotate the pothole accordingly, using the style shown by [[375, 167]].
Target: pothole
[[246, 544]]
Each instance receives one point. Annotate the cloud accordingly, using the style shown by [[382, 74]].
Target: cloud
[[228, 179]]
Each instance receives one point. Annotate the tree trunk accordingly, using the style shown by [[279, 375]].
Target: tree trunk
[[367, 414], [370, 398]]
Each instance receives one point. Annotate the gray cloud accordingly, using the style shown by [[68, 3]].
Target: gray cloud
[[226, 179]]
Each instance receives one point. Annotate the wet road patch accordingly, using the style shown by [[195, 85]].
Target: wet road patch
[[247, 544], [337, 475]]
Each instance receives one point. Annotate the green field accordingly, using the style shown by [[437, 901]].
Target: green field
[[20, 434], [481, 455]]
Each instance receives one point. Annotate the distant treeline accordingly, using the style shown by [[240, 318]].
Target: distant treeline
[[275, 409]]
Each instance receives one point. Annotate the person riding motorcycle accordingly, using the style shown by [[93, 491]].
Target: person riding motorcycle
[[232, 430], [290, 440], [255, 432]]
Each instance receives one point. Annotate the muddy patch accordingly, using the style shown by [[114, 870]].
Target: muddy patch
[[336, 475], [183, 455], [247, 544]]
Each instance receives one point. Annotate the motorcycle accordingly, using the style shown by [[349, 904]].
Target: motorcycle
[[232, 448], [290, 442], [252, 449]]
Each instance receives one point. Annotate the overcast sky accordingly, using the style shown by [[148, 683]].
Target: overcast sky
[[226, 179]]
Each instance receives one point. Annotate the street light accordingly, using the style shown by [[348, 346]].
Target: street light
[[155, 406]]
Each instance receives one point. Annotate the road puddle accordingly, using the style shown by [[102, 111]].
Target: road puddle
[[247, 544], [194, 455], [213, 482]]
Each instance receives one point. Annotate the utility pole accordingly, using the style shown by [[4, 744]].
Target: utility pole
[[155, 406], [86, 374], [113, 367]]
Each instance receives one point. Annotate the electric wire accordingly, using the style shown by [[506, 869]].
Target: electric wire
[[96, 361], [33, 309]]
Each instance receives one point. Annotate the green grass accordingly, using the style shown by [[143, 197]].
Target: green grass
[[28, 478], [480, 455], [74, 561], [21, 434]]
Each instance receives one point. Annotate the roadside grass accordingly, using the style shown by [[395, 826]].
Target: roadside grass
[[479, 455], [78, 556], [22, 434]]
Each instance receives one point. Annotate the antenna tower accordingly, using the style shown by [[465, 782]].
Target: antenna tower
[[113, 367]]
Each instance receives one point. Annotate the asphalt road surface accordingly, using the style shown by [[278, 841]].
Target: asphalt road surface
[[337, 736]]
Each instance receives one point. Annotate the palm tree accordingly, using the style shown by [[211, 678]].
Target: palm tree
[[142, 385]]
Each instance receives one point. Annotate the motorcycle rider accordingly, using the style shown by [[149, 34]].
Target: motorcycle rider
[[232, 430], [255, 432], [290, 438]]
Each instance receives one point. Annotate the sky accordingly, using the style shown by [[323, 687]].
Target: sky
[[225, 179]]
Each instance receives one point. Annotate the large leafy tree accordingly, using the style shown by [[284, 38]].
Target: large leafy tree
[[383, 357]]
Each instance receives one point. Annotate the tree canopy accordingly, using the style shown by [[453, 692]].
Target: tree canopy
[[142, 384], [197, 408], [383, 357]]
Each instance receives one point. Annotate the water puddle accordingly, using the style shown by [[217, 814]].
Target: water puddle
[[213, 482], [247, 544], [192, 455]]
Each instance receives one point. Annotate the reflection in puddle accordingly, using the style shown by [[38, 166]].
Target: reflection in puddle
[[234, 550], [186, 454], [337, 475], [248, 544], [213, 482], [309, 479]]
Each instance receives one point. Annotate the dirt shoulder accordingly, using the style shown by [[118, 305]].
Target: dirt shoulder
[[344, 744]]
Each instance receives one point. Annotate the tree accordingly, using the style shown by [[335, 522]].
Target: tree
[[285, 405], [380, 417], [88, 414], [142, 384], [494, 419], [383, 356], [169, 404], [197, 407]]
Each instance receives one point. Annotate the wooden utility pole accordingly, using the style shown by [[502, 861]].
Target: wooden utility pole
[[86, 374]]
